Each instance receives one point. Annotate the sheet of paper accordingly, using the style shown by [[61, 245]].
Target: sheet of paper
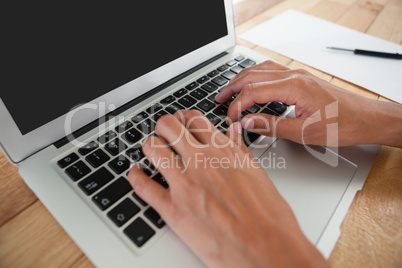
[[304, 38]]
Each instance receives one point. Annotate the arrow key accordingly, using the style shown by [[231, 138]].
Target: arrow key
[[123, 212], [139, 232]]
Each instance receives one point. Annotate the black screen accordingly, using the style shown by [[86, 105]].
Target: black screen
[[62, 53]]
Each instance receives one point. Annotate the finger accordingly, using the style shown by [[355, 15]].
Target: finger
[[175, 134], [201, 128], [149, 190], [235, 133], [234, 87], [253, 76], [274, 126], [163, 158], [268, 65], [283, 90]]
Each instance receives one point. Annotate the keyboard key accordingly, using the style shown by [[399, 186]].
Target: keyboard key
[[112, 193], [69, 159], [199, 94], [119, 164], [167, 100], [124, 126], [161, 180], [221, 129], [139, 232], [146, 126], [205, 105], [213, 118], [77, 171], [247, 63], [239, 58], [203, 79], [139, 199], [154, 108], [139, 117], [223, 68], [277, 107], [197, 109], [107, 137], [180, 92], [132, 136], [115, 147], [212, 97], [158, 115], [253, 109], [154, 217], [135, 153], [231, 63], [224, 125], [227, 103], [86, 149], [229, 75], [236, 69], [123, 212], [96, 181], [249, 137], [213, 73], [174, 107], [268, 111], [209, 87], [97, 158], [192, 86], [219, 80], [148, 165], [187, 101], [221, 111]]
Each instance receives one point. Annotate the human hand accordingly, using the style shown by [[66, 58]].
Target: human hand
[[325, 114], [220, 202]]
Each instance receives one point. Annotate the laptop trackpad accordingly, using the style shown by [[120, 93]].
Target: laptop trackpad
[[312, 187]]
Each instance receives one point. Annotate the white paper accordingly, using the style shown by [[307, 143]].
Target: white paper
[[304, 38]]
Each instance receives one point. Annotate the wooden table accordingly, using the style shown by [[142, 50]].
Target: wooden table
[[371, 233]]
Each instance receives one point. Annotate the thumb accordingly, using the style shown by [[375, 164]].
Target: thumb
[[274, 126]]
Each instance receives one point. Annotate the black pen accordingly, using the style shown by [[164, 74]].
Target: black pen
[[371, 53]]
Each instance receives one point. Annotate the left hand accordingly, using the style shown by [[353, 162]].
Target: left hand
[[220, 202]]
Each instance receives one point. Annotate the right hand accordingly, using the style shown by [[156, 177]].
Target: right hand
[[325, 114]]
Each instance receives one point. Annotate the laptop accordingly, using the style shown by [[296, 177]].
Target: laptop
[[84, 86]]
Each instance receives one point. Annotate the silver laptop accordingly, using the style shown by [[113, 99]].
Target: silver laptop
[[84, 86]]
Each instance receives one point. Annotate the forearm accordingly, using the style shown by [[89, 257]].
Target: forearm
[[383, 123]]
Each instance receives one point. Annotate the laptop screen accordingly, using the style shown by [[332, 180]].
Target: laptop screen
[[60, 54]]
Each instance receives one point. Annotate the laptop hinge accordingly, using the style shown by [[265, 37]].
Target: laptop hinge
[[63, 141]]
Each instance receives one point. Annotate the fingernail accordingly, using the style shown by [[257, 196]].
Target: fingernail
[[132, 164], [248, 123], [237, 127]]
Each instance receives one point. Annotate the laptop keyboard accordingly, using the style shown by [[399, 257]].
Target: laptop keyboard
[[99, 169]]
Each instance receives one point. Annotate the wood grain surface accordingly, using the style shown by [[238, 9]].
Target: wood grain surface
[[371, 233]]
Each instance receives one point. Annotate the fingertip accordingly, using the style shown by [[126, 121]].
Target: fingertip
[[237, 127], [135, 165], [247, 123], [135, 168], [219, 98], [234, 128], [146, 188]]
